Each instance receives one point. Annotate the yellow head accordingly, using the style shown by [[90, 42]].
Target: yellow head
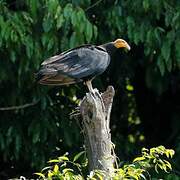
[[120, 43]]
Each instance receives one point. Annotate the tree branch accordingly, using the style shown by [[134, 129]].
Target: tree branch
[[10, 108], [93, 5]]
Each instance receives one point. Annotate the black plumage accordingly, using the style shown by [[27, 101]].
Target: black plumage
[[78, 64]]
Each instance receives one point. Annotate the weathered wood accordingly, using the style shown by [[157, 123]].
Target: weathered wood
[[95, 110]]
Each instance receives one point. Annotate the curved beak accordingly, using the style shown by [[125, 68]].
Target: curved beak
[[120, 43], [128, 47]]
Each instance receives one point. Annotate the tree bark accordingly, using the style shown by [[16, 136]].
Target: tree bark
[[95, 110]]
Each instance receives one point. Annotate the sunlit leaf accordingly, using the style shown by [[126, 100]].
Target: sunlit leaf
[[56, 168], [40, 174], [54, 161], [63, 158], [77, 156], [67, 170], [139, 159], [50, 174]]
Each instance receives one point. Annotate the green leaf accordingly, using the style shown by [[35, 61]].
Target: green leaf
[[50, 174], [95, 30], [50, 43], [81, 21], [13, 56], [146, 5], [77, 156], [46, 168], [142, 32], [36, 135], [165, 50], [58, 12], [168, 164], [73, 40], [6, 31], [18, 143], [139, 159], [100, 177], [177, 50], [136, 37], [81, 16], [88, 31], [14, 36], [74, 18], [157, 35], [40, 174], [141, 175], [156, 168], [161, 65], [169, 65], [82, 28], [60, 21], [47, 24], [9, 132], [63, 158], [129, 87], [175, 20], [54, 161], [56, 168], [29, 48], [66, 170], [171, 152], [67, 11], [149, 36], [44, 39], [130, 27], [160, 166], [52, 6], [147, 50], [33, 8], [2, 142]]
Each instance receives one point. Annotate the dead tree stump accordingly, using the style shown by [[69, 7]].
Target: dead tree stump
[[95, 110]]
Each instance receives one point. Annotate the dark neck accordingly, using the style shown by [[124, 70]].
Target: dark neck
[[110, 48]]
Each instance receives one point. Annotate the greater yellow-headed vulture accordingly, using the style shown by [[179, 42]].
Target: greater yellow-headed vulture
[[82, 63]]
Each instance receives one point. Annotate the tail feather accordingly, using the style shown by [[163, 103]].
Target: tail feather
[[52, 77], [44, 73]]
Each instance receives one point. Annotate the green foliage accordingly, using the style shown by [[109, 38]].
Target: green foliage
[[149, 159], [27, 37], [61, 168], [159, 38], [31, 31], [154, 156]]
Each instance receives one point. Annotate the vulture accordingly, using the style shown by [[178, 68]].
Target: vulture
[[80, 64]]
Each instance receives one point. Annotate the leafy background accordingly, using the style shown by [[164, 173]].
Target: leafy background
[[34, 119]]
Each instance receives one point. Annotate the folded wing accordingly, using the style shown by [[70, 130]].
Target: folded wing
[[73, 66]]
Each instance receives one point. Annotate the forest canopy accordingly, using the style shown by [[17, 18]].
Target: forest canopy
[[34, 119]]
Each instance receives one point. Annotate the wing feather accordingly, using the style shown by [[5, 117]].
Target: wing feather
[[73, 65]]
